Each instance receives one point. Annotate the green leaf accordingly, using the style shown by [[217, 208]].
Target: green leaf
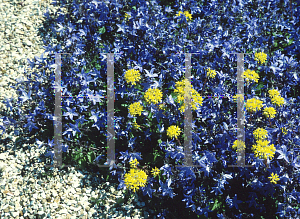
[[217, 205], [259, 86], [101, 30]]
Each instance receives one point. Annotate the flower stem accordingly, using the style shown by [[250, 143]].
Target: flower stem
[[250, 117], [178, 141], [203, 86]]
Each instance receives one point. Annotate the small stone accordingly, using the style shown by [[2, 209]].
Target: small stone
[[14, 214]]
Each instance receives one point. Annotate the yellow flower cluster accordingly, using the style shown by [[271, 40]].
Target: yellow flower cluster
[[162, 106], [155, 171], [173, 131], [261, 148], [273, 178], [260, 133], [186, 14], [127, 16], [250, 75], [180, 91], [273, 93], [284, 130], [132, 75], [135, 178], [239, 145], [136, 126], [261, 57], [269, 112], [134, 163], [276, 98], [240, 96], [135, 108], [153, 95], [254, 105], [211, 73]]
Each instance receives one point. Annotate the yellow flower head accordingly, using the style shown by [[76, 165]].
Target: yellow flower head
[[127, 16], [269, 112], [134, 163], [277, 100], [135, 179], [261, 57], [135, 108], [132, 75], [274, 178], [173, 131], [155, 171], [239, 145], [240, 96], [273, 93], [254, 105], [153, 95], [180, 89], [162, 106], [260, 133], [250, 75], [186, 14], [211, 73], [180, 92], [284, 130], [262, 150], [136, 126]]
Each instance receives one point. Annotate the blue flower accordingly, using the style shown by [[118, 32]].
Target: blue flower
[[165, 188], [30, 125], [25, 96], [70, 113], [283, 153], [233, 202]]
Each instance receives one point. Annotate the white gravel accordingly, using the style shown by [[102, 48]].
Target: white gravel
[[24, 192]]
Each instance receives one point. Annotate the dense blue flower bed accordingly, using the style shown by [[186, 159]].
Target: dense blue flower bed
[[148, 34]]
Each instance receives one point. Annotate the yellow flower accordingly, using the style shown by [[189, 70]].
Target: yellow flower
[[132, 75], [269, 112], [135, 108], [127, 16], [239, 145], [173, 131], [133, 163], [180, 91], [153, 95], [262, 150], [240, 96], [261, 57], [162, 106], [273, 93], [253, 105], [211, 73], [136, 126], [135, 179], [260, 133], [155, 171], [186, 14], [284, 130], [250, 75], [277, 100], [274, 178]]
